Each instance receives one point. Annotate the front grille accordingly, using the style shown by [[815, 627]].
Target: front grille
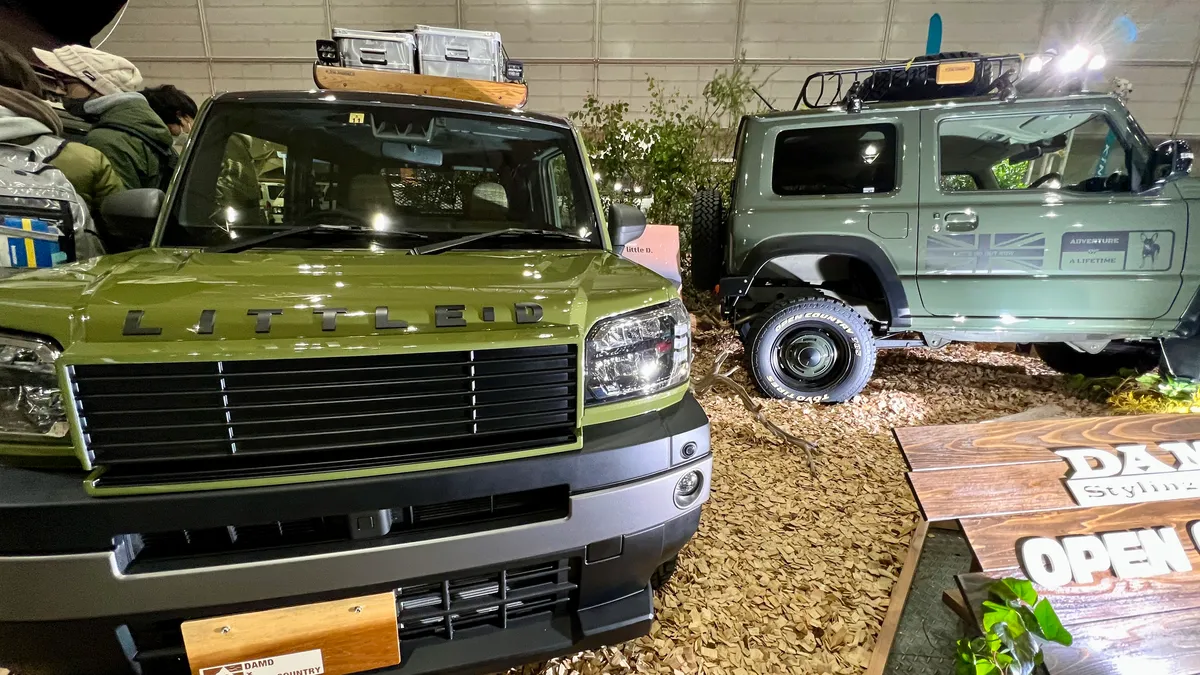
[[450, 609], [525, 507], [167, 422], [441, 609]]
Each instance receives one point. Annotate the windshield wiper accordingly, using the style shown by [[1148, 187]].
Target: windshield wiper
[[438, 247], [245, 244]]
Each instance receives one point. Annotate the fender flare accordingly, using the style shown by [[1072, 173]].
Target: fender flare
[[860, 248]]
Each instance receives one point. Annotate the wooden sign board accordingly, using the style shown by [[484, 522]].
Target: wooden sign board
[[326, 638], [1102, 514], [961, 72]]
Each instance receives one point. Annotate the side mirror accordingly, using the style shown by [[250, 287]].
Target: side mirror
[[1172, 161], [129, 219], [625, 223]]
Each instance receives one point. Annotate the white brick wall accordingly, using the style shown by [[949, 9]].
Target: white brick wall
[[158, 27], [667, 28], [545, 28], [559, 39]]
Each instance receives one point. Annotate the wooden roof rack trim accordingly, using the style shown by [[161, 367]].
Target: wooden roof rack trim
[[507, 94]]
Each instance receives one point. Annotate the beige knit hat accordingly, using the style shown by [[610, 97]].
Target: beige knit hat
[[104, 72]]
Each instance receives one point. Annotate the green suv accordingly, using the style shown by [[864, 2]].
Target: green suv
[[1010, 215], [414, 365]]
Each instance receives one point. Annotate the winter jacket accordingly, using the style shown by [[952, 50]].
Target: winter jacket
[[28, 119], [137, 163], [90, 172]]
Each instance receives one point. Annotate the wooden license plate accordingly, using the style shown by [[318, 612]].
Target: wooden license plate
[[326, 638], [956, 73]]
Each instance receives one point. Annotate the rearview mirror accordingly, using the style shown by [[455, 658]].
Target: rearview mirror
[[130, 218], [1172, 161], [412, 153], [625, 223]]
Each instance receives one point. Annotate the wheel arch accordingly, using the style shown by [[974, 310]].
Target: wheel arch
[[858, 248]]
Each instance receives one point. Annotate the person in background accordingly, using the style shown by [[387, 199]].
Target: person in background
[[25, 119], [101, 88], [175, 108]]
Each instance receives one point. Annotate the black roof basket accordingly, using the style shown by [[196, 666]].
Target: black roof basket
[[949, 75]]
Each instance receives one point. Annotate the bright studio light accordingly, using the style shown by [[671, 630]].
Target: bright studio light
[[1074, 60], [1098, 62]]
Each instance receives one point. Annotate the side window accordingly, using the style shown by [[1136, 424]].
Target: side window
[[559, 186], [1076, 151], [842, 160]]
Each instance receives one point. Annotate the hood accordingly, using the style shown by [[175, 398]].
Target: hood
[[131, 110], [281, 300]]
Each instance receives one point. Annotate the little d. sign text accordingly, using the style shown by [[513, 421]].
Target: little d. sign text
[[1130, 474]]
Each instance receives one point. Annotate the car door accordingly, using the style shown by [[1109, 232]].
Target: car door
[[1031, 211]]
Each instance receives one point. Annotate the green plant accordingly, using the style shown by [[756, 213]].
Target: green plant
[[678, 146], [1011, 176], [1015, 625], [1133, 393]]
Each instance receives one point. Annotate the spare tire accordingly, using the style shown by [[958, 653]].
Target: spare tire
[[708, 239], [918, 83]]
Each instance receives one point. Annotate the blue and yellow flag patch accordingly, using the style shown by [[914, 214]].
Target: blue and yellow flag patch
[[28, 243]]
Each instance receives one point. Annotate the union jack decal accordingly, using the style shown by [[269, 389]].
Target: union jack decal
[[985, 253]]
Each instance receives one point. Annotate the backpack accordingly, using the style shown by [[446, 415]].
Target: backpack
[[40, 212], [167, 159]]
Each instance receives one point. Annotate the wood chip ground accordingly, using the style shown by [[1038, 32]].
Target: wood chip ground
[[791, 573]]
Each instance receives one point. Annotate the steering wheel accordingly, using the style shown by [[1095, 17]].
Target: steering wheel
[[1045, 179]]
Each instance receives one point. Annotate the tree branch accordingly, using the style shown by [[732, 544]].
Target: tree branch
[[716, 377]]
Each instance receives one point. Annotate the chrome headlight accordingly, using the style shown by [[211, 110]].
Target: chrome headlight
[[30, 400], [638, 353]]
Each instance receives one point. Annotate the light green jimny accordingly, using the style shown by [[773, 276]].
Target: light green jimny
[[903, 209]]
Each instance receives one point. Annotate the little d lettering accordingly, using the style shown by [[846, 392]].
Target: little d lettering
[[445, 316]]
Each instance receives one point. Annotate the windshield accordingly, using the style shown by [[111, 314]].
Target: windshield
[[385, 175]]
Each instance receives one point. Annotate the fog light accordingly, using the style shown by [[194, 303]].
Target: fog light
[[688, 488]]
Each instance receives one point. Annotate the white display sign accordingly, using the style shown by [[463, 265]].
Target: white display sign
[[1149, 552], [300, 663], [1129, 474]]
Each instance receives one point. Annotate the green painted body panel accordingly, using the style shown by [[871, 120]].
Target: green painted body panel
[[83, 307], [1021, 272]]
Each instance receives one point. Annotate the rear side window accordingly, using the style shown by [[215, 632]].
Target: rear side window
[[842, 160]]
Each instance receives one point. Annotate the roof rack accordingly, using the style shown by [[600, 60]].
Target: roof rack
[[507, 94], [928, 77]]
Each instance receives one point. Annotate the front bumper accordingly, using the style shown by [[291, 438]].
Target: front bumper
[[621, 523]]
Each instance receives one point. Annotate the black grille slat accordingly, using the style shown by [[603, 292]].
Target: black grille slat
[[224, 418], [443, 609], [478, 513]]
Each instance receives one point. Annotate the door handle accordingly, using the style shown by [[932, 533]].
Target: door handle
[[962, 221]]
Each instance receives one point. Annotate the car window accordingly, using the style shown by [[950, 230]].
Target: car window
[[257, 168], [859, 159], [1075, 151], [959, 182], [562, 202], [250, 184]]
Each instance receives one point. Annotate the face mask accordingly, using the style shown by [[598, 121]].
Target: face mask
[[180, 141]]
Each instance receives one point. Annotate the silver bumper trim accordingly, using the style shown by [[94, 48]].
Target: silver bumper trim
[[90, 585]]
